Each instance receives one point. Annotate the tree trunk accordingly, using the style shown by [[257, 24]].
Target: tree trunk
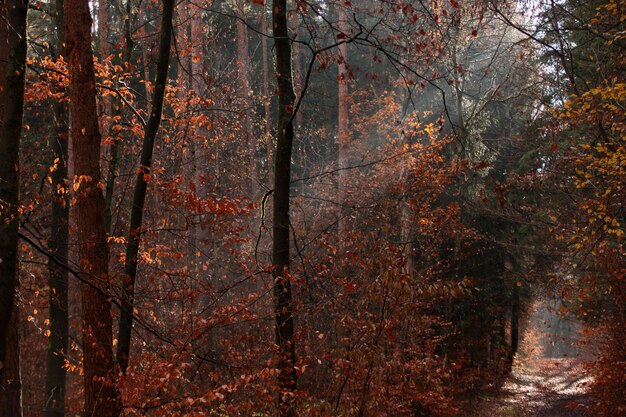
[[287, 380], [145, 52], [342, 120], [266, 89], [297, 68], [141, 186], [243, 74], [103, 29], [196, 48], [13, 110], [197, 147], [515, 307], [11, 383], [104, 51], [58, 244], [101, 396]]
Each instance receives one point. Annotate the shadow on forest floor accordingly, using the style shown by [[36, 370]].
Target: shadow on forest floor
[[543, 388], [540, 385]]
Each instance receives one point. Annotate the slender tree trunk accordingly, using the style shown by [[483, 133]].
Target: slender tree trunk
[[104, 51], [297, 68], [196, 147], [266, 89], [103, 29], [12, 97], [58, 244], [101, 396], [243, 74], [287, 380], [107, 110], [342, 125], [114, 148], [184, 84], [145, 54], [11, 383], [4, 52], [141, 186], [515, 307]]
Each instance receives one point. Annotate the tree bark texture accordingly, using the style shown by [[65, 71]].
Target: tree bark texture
[[58, 243], [283, 303], [101, 396], [12, 97], [141, 186]]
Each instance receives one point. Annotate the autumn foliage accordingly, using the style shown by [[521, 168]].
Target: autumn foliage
[[446, 166]]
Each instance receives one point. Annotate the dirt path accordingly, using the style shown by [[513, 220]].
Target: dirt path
[[541, 388], [544, 382]]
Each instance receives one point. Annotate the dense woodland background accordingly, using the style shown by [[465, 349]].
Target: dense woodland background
[[308, 207]]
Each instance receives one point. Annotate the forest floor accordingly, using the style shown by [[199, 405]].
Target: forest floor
[[547, 387], [548, 378]]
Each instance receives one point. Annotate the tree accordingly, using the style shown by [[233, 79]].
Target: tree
[[590, 158], [101, 396], [12, 90], [283, 316], [58, 243], [141, 186], [13, 30], [343, 134], [245, 92], [266, 87]]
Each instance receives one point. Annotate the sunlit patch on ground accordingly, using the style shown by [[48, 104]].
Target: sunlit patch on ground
[[542, 384]]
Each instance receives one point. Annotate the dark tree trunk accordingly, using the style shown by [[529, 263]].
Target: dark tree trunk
[[514, 323], [282, 175], [13, 110], [101, 396], [141, 186], [343, 136], [267, 98], [58, 243], [11, 386]]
